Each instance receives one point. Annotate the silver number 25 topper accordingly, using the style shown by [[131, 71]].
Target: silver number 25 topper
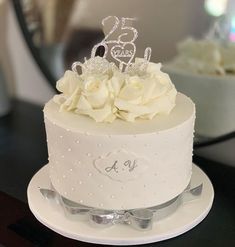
[[121, 50]]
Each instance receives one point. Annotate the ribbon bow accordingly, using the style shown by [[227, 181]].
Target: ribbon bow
[[141, 219]]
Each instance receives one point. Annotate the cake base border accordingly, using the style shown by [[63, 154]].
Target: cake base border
[[184, 219]]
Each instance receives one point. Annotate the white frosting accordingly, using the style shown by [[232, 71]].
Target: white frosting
[[121, 165], [205, 57], [104, 93]]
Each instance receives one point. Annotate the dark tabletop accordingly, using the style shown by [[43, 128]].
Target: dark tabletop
[[23, 152]]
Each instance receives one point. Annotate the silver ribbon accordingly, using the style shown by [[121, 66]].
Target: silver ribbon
[[140, 219]]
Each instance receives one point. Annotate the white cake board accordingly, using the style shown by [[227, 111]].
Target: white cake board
[[185, 218]]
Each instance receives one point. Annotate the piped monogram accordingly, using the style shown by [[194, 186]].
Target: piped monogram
[[121, 165], [128, 165]]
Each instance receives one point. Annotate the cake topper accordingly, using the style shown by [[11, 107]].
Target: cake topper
[[121, 48]]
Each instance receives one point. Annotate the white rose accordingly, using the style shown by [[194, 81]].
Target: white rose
[[69, 85], [91, 95], [115, 83], [95, 90], [95, 99], [146, 96], [200, 56]]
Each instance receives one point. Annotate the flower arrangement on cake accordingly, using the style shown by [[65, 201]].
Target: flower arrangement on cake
[[106, 93]]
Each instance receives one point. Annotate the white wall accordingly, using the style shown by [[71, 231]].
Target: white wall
[[29, 83], [179, 20]]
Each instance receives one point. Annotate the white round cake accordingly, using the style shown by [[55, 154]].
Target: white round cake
[[120, 165]]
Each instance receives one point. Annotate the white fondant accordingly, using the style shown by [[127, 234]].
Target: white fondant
[[168, 172]]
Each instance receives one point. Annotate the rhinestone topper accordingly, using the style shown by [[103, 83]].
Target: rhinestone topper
[[119, 44]]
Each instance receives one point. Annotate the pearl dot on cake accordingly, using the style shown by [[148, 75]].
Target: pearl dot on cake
[[112, 196], [72, 188], [77, 141], [71, 169], [81, 201], [90, 194], [61, 136], [101, 204], [64, 176], [62, 156], [88, 154], [69, 149], [65, 193], [80, 182], [89, 174], [101, 186]]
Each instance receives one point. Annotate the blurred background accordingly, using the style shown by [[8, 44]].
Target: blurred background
[[40, 39], [65, 31]]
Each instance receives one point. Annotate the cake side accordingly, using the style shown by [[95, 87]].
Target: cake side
[[117, 169]]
